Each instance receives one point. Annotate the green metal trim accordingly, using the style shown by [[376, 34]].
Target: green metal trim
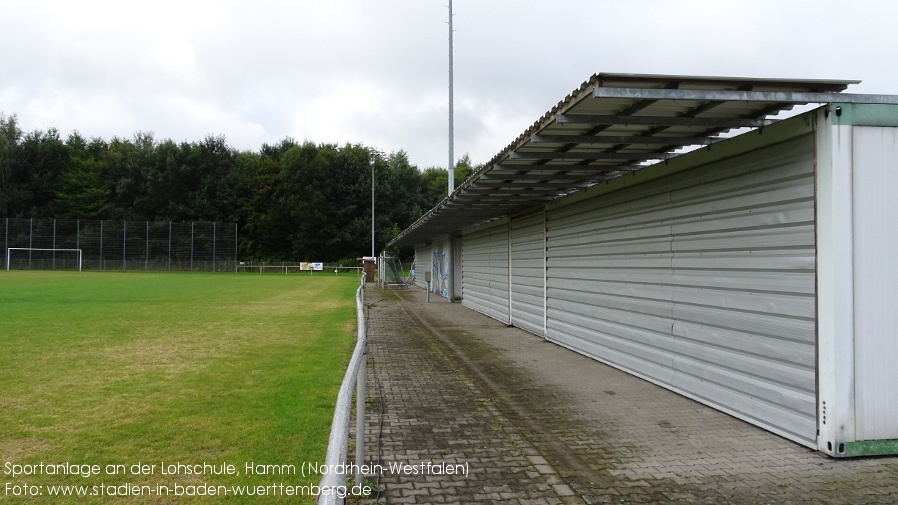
[[867, 448], [863, 114]]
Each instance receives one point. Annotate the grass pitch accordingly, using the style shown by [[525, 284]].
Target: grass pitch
[[130, 368]]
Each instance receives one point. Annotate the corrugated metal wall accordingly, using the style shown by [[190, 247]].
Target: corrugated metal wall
[[703, 282], [484, 260], [422, 264], [528, 248], [875, 183]]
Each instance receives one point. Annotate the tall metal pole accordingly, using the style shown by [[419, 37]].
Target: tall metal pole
[[451, 111], [373, 157]]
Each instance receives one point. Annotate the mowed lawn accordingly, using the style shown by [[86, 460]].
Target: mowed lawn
[[126, 368]]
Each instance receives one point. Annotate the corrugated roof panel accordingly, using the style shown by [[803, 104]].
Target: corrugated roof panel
[[541, 165]]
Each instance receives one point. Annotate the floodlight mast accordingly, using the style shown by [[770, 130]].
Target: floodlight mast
[[451, 111], [451, 168]]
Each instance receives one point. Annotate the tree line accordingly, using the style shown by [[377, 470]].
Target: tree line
[[291, 201]]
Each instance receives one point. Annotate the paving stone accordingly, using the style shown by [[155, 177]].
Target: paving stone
[[538, 424]]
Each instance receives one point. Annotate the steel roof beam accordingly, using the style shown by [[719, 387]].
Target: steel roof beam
[[622, 139], [492, 178], [473, 199], [519, 184], [562, 168], [701, 122], [793, 97], [539, 179], [580, 155], [525, 193]]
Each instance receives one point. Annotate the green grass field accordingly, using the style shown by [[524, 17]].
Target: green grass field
[[127, 368]]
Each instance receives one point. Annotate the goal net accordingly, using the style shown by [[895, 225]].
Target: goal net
[[33, 258]]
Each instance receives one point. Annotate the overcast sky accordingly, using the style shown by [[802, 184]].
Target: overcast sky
[[376, 71]]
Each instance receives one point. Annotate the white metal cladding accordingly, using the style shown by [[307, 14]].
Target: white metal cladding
[[703, 282], [875, 184], [422, 264], [528, 250], [484, 263]]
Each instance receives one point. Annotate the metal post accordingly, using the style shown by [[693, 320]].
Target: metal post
[[124, 246], [191, 246], [169, 246], [6, 243], [545, 274], [78, 241], [213, 246], [450, 269], [146, 265], [53, 263], [30, 240], [373, 158], [101, 245], [360, 419], [235, 248], [510, 284]]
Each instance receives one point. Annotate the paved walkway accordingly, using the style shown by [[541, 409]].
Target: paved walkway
[[529, 422]]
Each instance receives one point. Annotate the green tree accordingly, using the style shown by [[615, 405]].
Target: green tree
[[125, 181], [10, 137], [44, 157], [83, 192], [436, 181], [291, 201]]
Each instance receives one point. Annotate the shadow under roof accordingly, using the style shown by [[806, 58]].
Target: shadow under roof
[[611, 125]]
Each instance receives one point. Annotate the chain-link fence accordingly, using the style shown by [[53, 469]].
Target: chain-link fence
[[70, 244]]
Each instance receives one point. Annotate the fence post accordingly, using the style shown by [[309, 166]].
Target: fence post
[[191, 246], [213, 246], [30, 240], [53, 262], [124, 246], [101, 245], [169, 246]]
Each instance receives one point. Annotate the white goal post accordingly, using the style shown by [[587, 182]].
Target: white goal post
[[11, 249]]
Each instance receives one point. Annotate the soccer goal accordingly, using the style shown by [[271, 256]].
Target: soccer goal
[[30, 250]]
